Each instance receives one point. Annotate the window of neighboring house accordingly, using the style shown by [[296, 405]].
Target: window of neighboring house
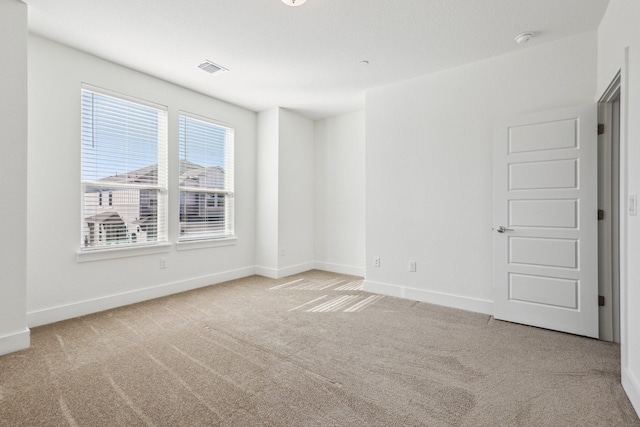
[[206, 178], [124, 153]]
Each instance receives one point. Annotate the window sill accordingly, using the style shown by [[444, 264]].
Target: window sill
[[202, 244], [102, 254]]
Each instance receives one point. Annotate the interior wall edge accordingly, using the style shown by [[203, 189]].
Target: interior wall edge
[[271, 273], [295, 269], [632, 387], [339, 268], [279, 273], [475, 305], [82, 308], [15, 342]]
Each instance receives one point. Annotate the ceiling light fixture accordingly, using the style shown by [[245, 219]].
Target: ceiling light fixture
[[293, 2], [522, 38]]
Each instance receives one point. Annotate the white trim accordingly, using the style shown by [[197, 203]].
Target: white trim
[[339, 268], [124, 252], [15, 342], [206, 119], [628, 385], [81, 308], [271, 273], [632, 387], [117, 185], [439, 298], [295, 269], [383, 288], [186, 245], [278, 273], [122, 97]]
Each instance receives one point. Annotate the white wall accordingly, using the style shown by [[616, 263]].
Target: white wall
[[429, 166], [14, 334], [285, 193], [295, 193], [339, 154], [58, 285], [619, 49], [267, 192]]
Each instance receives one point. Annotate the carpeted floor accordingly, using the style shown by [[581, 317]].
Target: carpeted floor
[[307, 350]]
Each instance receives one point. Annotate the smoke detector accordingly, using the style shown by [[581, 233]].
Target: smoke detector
[[293, 2], [522, 38], [212, 68]]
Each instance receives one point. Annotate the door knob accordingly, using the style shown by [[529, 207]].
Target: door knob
[[502, 229]]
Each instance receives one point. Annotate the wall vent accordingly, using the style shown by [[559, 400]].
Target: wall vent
[[212, 68]]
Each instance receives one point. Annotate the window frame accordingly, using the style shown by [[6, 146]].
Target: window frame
[[209, 239], [131, 246]]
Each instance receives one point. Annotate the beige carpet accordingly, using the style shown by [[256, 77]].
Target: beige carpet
[[308, 350]]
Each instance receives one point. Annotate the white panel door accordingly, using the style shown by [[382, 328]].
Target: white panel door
[[545, 221]]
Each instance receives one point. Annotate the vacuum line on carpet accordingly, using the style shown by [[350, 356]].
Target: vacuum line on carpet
[[129, 402], [185, 385], [67, 412]]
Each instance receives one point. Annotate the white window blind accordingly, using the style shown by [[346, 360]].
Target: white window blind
[[206, 178], [124, 171]]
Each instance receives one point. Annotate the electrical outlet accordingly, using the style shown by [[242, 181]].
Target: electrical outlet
[[163, 262], [376, 261], [412, 266]]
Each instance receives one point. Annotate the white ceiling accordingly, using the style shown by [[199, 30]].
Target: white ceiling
[[305, 58]]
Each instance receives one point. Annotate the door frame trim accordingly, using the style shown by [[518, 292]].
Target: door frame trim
[[630, 384], [610, 202]]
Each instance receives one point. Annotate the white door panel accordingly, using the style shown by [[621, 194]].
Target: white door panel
[[543, 136], [543, 175], [562, 253], [544, 213], [544, 290], [545, 195]]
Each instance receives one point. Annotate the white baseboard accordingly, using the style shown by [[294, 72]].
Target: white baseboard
[[383, 288], [271, 273], [15, 342], [448, 300], [81, 308], [632, 387], [339, 268], [279, 273], [295, 269]]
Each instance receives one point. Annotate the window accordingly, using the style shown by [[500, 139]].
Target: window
[[206, 179], [124, 153]]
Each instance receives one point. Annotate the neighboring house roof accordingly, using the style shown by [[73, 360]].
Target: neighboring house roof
[[147, 174], [106, 217], [198, 176], [147, 220], [191, 175]]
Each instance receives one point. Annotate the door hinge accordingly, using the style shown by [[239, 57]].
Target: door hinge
[[600, 128], [600, 301], [600, 214]]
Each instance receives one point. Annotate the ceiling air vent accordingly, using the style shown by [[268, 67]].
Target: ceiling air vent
[[212, 68]]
